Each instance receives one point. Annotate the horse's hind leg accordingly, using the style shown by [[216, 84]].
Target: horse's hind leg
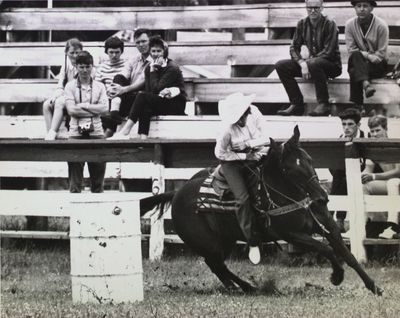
[[307, 242], [227, 278]]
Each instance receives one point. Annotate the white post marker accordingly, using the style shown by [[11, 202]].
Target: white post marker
[[157, 234], [106, 256], [356, 209]]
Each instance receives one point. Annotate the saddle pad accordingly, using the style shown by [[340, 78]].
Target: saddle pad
[[214, 200]]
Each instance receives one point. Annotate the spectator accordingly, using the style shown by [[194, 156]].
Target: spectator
[[367, 38], [127, 84], [381, 178], [320, 35], [86, 100], [113, 64], [54, 107], [350, 119], [164, 91]]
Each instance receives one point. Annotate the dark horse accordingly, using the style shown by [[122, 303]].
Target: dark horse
[[288, 177]]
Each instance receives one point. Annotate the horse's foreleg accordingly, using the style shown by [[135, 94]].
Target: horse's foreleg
[[307, 242], [336, 241]]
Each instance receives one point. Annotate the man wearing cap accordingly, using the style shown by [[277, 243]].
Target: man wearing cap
[[320, 35], [242, 131], [367, 38]]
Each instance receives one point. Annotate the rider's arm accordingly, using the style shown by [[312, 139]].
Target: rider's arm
[[223, 150]]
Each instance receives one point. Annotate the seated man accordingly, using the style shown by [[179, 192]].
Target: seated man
[[86, 100], [320, 35], [367, 38], [379, 177], [351, 129]]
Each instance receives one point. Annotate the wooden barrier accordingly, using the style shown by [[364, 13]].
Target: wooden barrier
[[284, 15], [200, 127], [184, 53], [199, 153]]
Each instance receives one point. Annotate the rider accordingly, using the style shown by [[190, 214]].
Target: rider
[[238, 155]]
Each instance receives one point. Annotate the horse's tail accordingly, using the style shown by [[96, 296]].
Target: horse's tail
[[151, 202]]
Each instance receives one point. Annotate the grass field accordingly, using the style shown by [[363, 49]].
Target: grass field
[[35, 282]]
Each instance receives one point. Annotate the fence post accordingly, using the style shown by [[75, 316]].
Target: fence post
[[156, 241], [356, 208]]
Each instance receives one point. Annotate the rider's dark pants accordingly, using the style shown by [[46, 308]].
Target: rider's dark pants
[[243, 183]]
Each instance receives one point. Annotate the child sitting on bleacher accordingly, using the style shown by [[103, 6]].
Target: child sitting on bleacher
[[54, 107]]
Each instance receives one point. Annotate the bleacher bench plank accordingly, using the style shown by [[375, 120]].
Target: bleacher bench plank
[[129, 18], [200, 127], [186, 53], [272, 91], [212, 90], [257, 15]]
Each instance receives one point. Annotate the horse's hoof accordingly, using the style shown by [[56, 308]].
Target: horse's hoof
[[249, 289], [378, 291], [337, 277]]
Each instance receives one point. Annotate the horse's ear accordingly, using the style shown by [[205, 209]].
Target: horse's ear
[[273, 144], [294, 140]]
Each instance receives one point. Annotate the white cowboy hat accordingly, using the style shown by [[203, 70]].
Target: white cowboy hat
[[233, 107]]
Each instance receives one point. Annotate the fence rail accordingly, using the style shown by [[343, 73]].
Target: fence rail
[[194, 153]]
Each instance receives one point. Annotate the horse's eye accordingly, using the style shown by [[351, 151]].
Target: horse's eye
[[298, 161]]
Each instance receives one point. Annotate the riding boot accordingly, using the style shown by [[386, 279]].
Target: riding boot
[[254, 255]]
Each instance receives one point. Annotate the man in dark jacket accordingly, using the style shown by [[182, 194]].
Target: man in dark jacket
[[320, 35]]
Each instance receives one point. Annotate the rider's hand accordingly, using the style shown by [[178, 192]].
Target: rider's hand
[[304, 70], [253, 156], [239, 146]]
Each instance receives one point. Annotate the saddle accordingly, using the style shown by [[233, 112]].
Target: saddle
[[215, 194]]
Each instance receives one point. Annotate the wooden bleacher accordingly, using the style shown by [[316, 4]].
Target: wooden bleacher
[[268, 90]]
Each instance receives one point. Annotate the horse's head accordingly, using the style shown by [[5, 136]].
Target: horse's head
[[296, 167]]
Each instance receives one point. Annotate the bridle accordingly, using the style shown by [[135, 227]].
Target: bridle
[[276, 210]]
